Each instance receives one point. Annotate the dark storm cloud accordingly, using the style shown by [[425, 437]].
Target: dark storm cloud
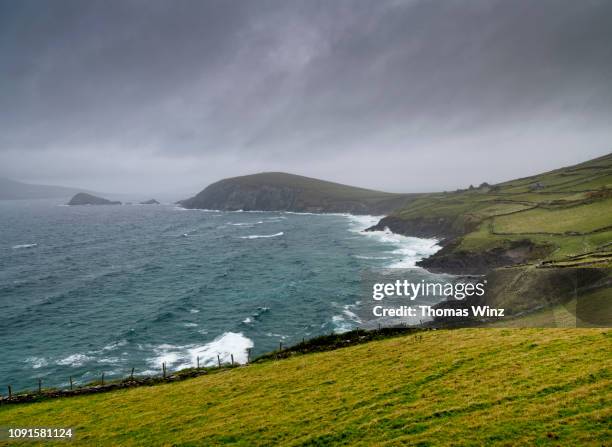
[[176, 94]]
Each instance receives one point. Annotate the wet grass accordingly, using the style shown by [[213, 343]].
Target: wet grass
[[469, 387]]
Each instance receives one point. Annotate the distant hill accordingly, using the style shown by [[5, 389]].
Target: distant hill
[[82, 198], [278, 191], [14, 190]]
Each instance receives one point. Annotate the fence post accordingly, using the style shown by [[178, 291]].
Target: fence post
[[71, 383], [39, 385], [10, 390], [249, 355], [219, 360], [132, 374], [280, 346], [232, 356], [164, 369], [102, 378], [198, 361]]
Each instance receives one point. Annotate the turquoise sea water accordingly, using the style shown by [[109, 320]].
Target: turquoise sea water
[[86, 290]]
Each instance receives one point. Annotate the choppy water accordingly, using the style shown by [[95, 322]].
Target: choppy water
[[86, 290]]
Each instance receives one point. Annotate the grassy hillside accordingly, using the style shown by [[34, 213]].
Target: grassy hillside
[[468, 387], [311, 185], [289, 192], [566, 214]]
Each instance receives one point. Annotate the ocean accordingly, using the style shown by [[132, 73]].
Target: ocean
[[88, 290]]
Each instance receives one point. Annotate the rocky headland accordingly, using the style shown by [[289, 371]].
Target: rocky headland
[[278, 191]]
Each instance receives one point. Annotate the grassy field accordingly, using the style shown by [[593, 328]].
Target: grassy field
[[461, 387], [557, 220]]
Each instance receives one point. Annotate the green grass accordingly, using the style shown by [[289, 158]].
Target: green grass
[[581, 218], [461, 387]]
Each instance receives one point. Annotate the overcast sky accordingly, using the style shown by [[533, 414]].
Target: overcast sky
[[149, 96]]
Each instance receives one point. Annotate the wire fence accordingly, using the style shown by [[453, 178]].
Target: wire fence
[[317, 344]]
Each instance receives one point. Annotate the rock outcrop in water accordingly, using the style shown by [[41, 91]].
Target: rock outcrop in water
[[83, 198], [440, 228], [150, 202], [277, 191]]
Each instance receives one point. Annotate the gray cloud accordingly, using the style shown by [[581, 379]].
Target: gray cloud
[[396, 95]]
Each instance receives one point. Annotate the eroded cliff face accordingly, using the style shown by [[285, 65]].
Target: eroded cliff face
[[439, 228], [461, 262], [233, 196]]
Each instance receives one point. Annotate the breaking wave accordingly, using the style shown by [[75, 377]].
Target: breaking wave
[[258, 236], [225, 346], [17, 247]]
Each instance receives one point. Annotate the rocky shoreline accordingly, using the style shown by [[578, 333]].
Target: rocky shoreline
[[448, 259]]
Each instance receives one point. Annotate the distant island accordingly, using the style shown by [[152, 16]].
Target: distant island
[[83, 198], [150, 202]]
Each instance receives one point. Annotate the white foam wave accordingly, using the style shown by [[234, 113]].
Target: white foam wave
[[37, 362], [165, 353], [227, 344], [224, 346], [180, 208], [109, 347], [347, 320], [272, 334], [341, 325], [256, 315], [190, 324], [17, 247], [406, 250], [74, 360], [115, 345], [194, 311], [360, 223], [245, 224], [109, 360], [257, 236]]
